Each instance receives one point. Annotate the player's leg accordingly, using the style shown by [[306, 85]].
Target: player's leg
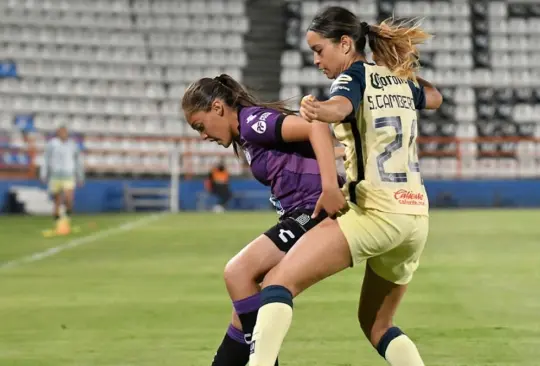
[[62, 224], [55, 192], [69, 194], [57, 199], [384, 286], [379, 301], [242, 275], [321, 252], [245, 271], [329, 248], [233, 350]]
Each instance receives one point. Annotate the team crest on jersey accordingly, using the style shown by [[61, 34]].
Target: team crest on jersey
[[259, 127], [340, 83]]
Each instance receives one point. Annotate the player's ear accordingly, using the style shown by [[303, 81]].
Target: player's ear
[[346, 44], [217, 106]]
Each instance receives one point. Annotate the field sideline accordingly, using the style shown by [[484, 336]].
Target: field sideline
[[153, 294]]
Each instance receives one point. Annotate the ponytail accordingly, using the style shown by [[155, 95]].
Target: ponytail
[[245, 99], [394, 45]]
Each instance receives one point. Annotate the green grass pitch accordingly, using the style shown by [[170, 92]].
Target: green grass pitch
[[154, 295]]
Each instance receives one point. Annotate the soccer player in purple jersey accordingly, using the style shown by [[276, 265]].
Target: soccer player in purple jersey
[[277, 146]]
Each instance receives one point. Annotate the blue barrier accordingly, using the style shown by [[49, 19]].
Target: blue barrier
[[8, 69], [107, 195], [484, 193]]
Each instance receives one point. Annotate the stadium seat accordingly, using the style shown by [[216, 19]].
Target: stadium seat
[[477, 47], [121, 63]]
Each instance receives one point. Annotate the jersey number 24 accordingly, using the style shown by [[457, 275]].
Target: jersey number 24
[[394, 147]]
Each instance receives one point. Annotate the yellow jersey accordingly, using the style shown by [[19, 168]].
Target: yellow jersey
[[379, 136]]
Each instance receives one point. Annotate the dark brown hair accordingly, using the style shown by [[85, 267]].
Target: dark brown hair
[[200, 95], [393, 43]]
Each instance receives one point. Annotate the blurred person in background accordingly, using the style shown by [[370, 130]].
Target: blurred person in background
[[62, 171], [217, 184]]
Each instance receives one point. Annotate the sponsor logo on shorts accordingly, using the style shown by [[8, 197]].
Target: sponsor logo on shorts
[[303, 219], [406, 197]]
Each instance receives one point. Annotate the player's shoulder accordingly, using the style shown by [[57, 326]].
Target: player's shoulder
[[358, 67], [258, 117], [356, 70], [356, 73], [250, 114], [260, 124]]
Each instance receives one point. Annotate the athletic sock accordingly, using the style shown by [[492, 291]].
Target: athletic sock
[[273, 322], [398, 349], [233, 350]]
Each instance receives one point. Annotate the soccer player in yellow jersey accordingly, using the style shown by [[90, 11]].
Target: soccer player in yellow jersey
[[383, 210]]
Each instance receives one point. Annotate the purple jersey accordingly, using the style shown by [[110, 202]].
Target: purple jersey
[[289, 168]]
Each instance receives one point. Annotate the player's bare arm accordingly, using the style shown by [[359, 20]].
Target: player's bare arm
[[334, 110], [434, 98]]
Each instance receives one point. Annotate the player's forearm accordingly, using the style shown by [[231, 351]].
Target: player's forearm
[[332, 111], [321, 141], [433, 97]]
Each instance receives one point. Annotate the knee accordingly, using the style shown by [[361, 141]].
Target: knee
[[277, 278], [235, 272], [230, 272]]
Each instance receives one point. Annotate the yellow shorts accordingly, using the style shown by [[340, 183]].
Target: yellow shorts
[[60, 185], [391, 243]]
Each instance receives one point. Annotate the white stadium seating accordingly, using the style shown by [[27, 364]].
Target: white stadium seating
[[485, 57], [115, 70], [118, 68]]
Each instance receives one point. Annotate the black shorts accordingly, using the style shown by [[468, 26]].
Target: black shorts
[[291, 227]]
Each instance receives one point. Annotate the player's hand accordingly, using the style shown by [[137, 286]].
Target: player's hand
[[309, 107], [332, 201]]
